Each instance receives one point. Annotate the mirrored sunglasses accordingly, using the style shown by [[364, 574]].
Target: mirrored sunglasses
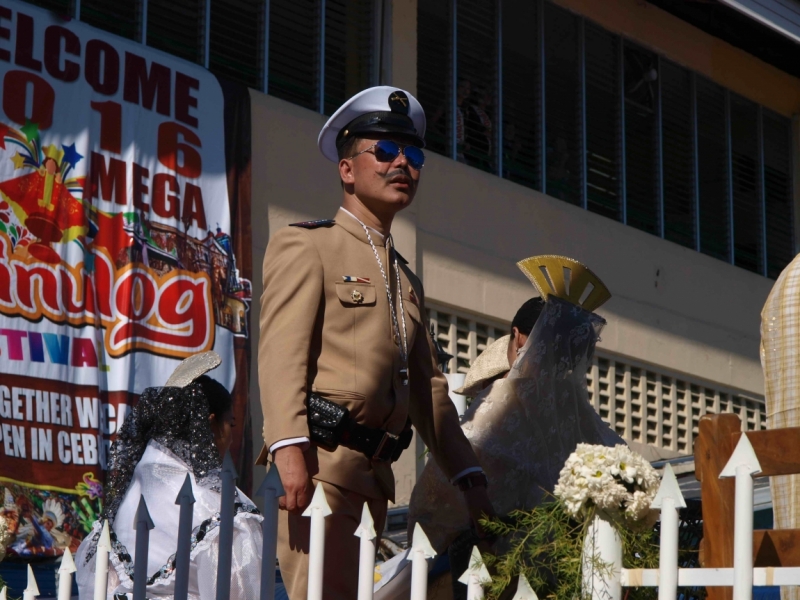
[[387, 151]]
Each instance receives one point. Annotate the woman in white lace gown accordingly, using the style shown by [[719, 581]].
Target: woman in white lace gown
[[173, 431], [523, 427]]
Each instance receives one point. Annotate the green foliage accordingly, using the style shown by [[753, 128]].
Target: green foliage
[[546, 545]]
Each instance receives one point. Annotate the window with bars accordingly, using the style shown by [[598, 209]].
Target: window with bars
[[119, 18], [642, 108], [521, 130], [315, 53], [712, 158], [678, 152], [601, 122], [63, 7], [321, 52], [177, 27], [603, 143], [562, 100], [642, 403], [237, 40]]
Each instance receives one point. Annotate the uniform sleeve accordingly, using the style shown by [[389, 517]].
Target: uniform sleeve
[[432, 412], [293, 279]]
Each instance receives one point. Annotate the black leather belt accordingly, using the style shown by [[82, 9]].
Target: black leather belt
[[331, 426]]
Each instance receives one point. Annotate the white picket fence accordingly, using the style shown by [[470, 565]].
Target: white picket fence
[[602, 546]]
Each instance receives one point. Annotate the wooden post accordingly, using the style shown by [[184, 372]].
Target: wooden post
[[712, 450]]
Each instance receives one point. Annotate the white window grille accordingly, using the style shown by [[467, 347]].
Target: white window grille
[[463, 335], [643, 403], [646, 405]]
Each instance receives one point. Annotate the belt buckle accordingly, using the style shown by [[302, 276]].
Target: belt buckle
[[385, 449]]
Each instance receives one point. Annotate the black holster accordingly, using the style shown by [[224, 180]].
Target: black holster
[[331, 426]]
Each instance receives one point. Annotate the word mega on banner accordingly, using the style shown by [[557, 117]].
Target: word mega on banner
[[116, 255]]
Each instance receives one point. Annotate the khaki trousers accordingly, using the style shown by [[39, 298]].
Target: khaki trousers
[[340, 578]]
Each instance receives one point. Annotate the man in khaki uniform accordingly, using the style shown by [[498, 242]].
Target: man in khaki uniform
[[343, 318]]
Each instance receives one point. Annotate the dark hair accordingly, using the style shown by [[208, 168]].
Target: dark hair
[[220, 400], [348, 147], [527, 315]]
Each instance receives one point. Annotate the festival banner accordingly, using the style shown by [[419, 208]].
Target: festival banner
[[117, 256]]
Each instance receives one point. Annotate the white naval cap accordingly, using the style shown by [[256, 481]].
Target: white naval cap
[[380, 109]]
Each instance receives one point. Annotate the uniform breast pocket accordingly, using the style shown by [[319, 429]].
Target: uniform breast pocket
[[355, 294]]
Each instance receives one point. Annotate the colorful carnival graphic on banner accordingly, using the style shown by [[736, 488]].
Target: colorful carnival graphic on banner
[[116, 256]]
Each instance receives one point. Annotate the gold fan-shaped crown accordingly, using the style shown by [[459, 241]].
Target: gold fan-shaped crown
[[565, 278]]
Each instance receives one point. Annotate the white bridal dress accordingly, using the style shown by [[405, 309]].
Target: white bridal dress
[[152, 460], [523, 428]]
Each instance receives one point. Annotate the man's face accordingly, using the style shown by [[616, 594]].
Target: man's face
[[381, 186]]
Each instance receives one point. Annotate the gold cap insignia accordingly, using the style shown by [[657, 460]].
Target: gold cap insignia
[[565, 278]]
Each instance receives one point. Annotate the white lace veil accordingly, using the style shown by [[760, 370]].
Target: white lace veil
[[524, 427]]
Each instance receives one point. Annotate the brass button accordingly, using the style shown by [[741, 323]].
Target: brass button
[[357, 297]]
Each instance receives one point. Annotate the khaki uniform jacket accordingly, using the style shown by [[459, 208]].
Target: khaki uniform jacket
[[321, 334]]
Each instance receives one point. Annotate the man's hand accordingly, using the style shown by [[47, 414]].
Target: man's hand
[[479, 507], [294, 476]]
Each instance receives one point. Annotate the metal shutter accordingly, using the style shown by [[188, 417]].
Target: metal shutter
[[522, 104], [746, 183], [603, 133], [712, 160], [349, 49], [294, 36], [477, 64], [777, 132], [177, 27], [434, 58], [563, 104], [677, 141], [236, 45], [641, 138], [120, 18]]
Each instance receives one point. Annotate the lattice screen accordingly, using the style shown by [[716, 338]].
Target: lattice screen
[[640, 402], [644, 405], [463, 336]]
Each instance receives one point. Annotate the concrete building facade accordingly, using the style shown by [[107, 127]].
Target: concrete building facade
[[678, 186], [683, 328]]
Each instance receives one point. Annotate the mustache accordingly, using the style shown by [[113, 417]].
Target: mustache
[[397, 173]]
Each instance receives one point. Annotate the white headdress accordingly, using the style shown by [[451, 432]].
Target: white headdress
[[53, 511]]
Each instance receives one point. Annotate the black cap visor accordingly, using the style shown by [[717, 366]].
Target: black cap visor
[[392, 124]]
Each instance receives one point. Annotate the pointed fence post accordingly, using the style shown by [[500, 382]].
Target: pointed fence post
[[271, 489], [421, 550], [476, 576], [4, 593], [742, 465], [366, 562], [143, 526], [186, 501], [669, 499], [226, 528], [101, 564], [524, 590], [65, 572], [32, 591], [317, 511]]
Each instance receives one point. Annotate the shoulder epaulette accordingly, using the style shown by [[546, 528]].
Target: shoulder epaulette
[[314, 224], [400, 257]]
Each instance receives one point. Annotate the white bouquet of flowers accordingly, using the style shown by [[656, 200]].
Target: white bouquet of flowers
[[617, 481]]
